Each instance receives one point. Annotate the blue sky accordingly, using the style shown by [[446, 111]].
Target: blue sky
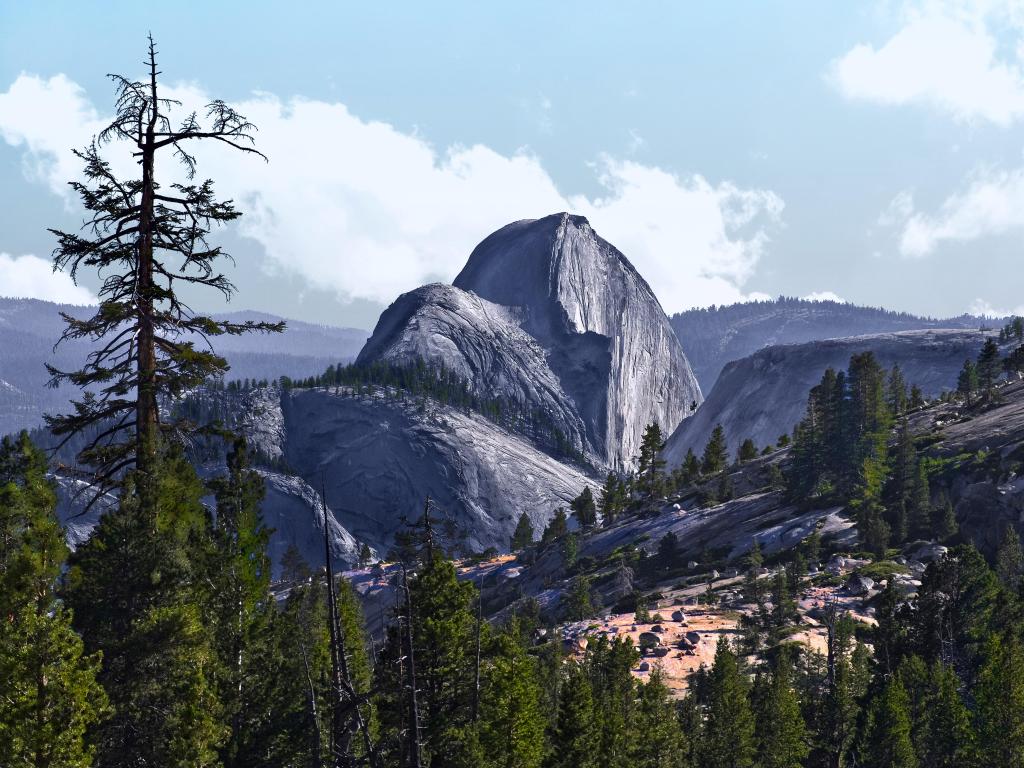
[[731, 150]]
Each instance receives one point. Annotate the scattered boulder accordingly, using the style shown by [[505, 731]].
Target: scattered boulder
[[928, 552], [660, 651], [693, 637], [649, 640], [858, 585], [678, 616], [644, 667]]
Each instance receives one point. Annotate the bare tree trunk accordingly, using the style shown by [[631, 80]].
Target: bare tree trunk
[[146, 405], [415, 748], [346, 716], [479, 629], [316, 745]]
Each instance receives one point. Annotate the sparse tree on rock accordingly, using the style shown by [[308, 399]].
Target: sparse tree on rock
[[147, 236]]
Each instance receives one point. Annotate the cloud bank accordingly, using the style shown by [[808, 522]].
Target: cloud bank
[[29, 277], [368, 211], [946, 56]]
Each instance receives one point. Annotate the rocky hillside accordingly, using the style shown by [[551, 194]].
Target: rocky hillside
[[598, 349], [482, 344], [29, 329], [379, 455], [714, 336], [764, 395]]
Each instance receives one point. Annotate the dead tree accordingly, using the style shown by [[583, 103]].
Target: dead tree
[[146, 239], [346, 702], [414, 744]]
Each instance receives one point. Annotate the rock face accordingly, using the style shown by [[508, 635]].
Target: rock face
[[600, 350], [482, 343], [380, 459], [765, 394]]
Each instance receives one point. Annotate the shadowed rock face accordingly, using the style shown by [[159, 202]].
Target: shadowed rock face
[[482, 343], [593, 344], [380, 460], [765, 394]]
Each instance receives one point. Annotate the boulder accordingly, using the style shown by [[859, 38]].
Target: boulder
[[649, 640], [858, 585]]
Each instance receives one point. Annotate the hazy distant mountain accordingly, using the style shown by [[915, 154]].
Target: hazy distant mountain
[[29, 329], [714, 336]]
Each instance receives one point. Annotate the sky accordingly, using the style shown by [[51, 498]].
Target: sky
[[871, 152]]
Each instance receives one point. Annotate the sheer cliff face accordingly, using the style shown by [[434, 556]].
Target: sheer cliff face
[[549, 310], [765, 394]]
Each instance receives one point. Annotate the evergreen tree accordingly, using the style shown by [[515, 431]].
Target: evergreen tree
[[999, 693], [609, 665], [845, 684], [511, 721], [658, 741], [650, 465], [888, 742], [946, 735], [755, 560], [716, 452], [612, 500], [523, 536], [1010, 559], [444, 635], [577, 601], [691, 466], [944, 521], [577, 729], [967, 382], [239, 608], [989, 368], [782, 738], [901, 483], [148, 240], [727, 739], [49, 697], [584, 508], [668, 551], [916, 398], [136, 595], [747, 452], [896, 392], [919, 512], [556, 528]]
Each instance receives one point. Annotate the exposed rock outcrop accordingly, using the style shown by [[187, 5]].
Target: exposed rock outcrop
[[592, 318], [765, 394], [380, 459], [481, 343]]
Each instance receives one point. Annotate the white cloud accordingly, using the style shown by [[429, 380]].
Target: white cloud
[[946, 56], [824, 296], [29, 277], [992, 203], [982, 308], [368, 211]]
